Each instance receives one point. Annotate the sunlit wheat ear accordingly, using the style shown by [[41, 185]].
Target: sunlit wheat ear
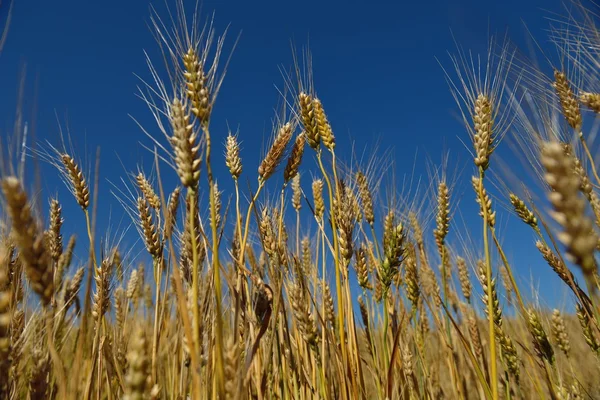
[[345, 220], [56, 221], [328, 303], [149, 230], [79, 185], [296, 193], [72, 290], [317, 189], [568, 101], [102, 295], [323, 127], [578, 234], [463, 276], [559, 332], [366, 198], [474, 335], [172, 207], [591, 101], [555, 262], [218, 204], [588, 331], [483, 279], [147, 190], [484, 201], [394, 237], [29, 239], [185, 145], [362, 270], [522, 211], [136, 380], [133, 285], [304, 318], [275, 153], [309, 120], [65, 258], [541, 343], [295, 158], [442, 218], [412, 278], [232, 156], [197, 89], [483, 124]]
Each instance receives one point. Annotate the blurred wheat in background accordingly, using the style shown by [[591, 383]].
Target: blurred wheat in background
[[373, 299]]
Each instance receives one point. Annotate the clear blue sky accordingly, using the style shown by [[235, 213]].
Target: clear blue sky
[[374, 64]]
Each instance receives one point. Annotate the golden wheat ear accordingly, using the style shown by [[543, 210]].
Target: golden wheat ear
[[29, 239]]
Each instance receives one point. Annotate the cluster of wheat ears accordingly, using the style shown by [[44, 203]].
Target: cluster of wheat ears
[[357, 301]]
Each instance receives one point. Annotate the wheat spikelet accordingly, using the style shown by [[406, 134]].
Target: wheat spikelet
[[232, 156], [78, 182], [568, 101], [541, 344], [217, 202], [30, 240], [578, 235], [394, 237], [362, 270], [522, 211], [484, 201], [588, 331], [590, 100], [328, 303], [345, 220], [474, 335], [150, 233], [65, 258], [442, 218], [555, 262], [295, 158], [197, 89], [172, 207], [185, 146], [559, 332], [102, 295], [304, 318], [56, 221], [296, 193], [72, 289], [463, 276], [275, 153], [133, 285], [323, 127], [412, 279], [148, 192], [509, 354], [307, 116], [317, 190], [366, 198], [497, 312], [483, 124]]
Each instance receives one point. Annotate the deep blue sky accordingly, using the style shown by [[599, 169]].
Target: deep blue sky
[[374, 65]]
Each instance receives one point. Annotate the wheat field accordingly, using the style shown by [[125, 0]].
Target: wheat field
[[379, 296]]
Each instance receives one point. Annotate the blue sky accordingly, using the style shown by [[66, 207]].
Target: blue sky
[[374, 64]]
